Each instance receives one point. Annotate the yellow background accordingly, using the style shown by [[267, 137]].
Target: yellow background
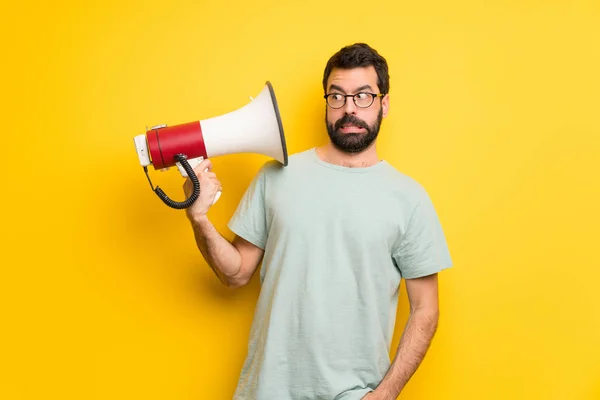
[[494, 108]]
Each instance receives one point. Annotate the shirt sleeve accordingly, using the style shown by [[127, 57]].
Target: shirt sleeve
[[422, 248], [249, 219]]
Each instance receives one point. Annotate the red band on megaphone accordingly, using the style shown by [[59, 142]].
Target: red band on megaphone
[[165, 143]]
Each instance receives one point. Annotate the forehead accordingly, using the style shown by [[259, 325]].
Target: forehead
[[352, 79]]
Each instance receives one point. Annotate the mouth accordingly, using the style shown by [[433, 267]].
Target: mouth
[[350, 128]]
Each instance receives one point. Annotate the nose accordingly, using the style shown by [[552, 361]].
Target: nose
[[350, 107]]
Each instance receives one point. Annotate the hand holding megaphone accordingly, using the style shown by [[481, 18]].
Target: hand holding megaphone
[[197, 164], [211, 188]]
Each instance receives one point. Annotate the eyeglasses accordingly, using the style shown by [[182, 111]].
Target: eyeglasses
[[361, 99]]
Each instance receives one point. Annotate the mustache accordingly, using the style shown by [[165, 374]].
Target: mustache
[[350, 119]]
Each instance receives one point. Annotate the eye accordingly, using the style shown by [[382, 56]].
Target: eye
[[362, 96], [337, 97]]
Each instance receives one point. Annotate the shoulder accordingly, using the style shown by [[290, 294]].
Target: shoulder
[[404, 184], [407, 194], [296, 161]]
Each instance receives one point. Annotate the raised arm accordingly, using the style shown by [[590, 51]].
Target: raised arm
[[233, 262]]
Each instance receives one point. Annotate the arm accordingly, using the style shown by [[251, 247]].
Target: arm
[[416, 338], [233, 262]]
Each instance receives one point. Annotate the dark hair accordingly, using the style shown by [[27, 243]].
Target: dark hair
[[359, 55]]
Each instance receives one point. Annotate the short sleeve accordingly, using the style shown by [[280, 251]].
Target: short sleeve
[[422, 249], [249, 219]]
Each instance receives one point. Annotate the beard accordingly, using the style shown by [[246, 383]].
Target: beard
[[353, 142]]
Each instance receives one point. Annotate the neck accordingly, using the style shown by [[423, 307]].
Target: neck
[[366, 158]]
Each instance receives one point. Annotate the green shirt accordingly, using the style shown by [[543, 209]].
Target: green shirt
[[337, 243]]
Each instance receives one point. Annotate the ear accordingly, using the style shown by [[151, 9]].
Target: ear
[[385, 105]]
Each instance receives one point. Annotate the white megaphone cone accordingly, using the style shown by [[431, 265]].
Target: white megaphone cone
[[254, 128]]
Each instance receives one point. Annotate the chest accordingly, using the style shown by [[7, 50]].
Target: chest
[[360, 212]]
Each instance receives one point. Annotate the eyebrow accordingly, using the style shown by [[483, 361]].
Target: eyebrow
[[336, 87]]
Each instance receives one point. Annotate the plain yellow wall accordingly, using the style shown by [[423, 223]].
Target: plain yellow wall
[[494, 108]]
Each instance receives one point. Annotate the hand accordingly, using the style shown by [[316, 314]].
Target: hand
[[209, 186]]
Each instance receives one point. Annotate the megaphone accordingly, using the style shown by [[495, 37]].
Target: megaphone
[[254, 128]]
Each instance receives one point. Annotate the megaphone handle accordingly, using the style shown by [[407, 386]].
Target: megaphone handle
[[193, 197], [194, 163]]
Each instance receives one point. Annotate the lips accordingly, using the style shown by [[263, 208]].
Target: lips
[[349, 128], [350, 124]]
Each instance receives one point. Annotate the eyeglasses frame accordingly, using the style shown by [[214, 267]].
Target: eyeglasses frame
[[373, 96]]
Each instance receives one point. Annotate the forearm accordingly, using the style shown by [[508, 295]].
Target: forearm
[[414, 343], [223, 258]]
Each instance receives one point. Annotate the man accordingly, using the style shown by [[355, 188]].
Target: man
[[336, 230]]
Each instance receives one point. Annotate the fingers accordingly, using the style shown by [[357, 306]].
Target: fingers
[[215, 182], [218, 186], [202, 169], [204, 178], [205, 165], [207, 178]]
